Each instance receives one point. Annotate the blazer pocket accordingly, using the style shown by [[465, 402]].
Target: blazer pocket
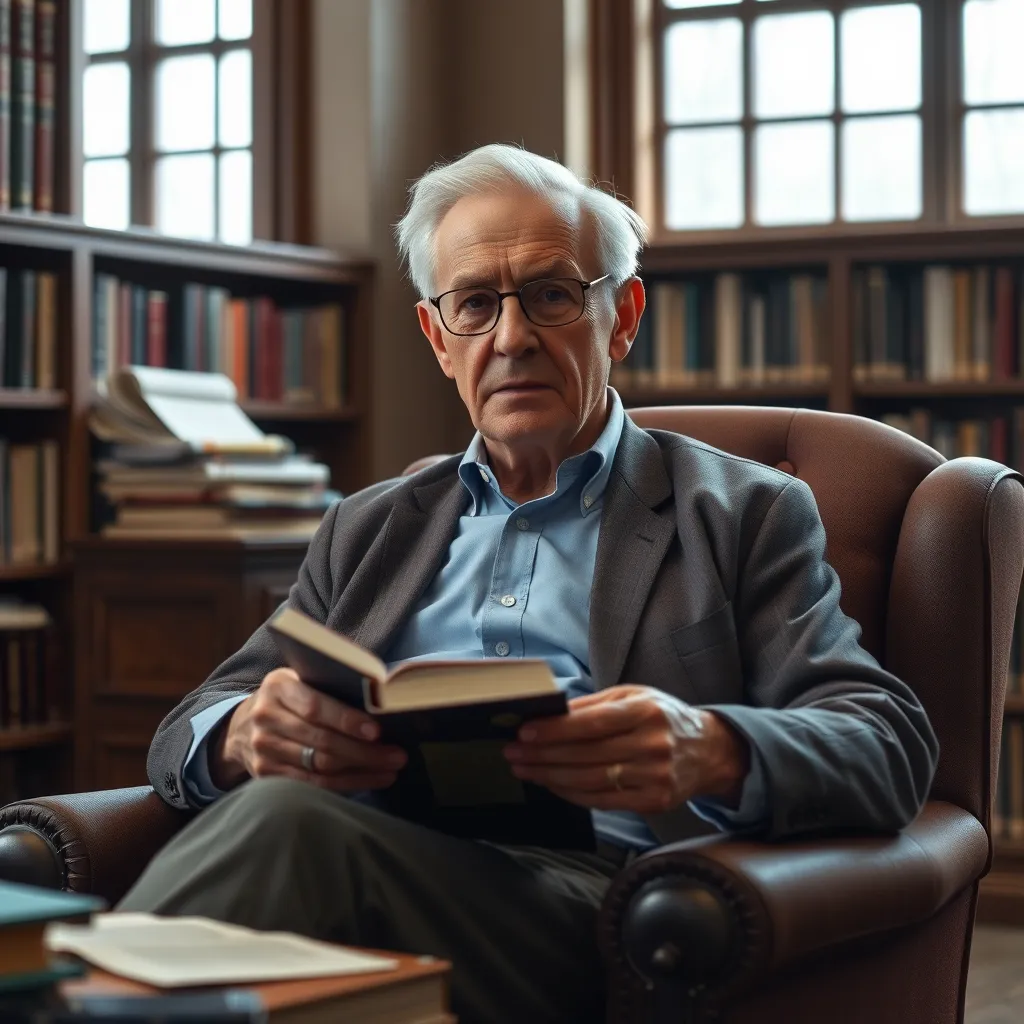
[[710, 657]]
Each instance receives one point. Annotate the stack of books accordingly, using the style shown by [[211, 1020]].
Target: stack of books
[[183, 461]]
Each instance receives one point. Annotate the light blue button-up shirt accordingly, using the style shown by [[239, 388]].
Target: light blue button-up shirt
[[516, 584]]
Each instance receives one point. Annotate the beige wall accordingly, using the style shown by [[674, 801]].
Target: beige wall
[[399, 84]]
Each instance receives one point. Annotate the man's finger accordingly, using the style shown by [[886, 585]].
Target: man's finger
[[286, 739], [320, 709], [588, 723], [589, 778]]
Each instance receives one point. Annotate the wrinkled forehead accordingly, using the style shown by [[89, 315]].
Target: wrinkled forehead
[[514, 231]]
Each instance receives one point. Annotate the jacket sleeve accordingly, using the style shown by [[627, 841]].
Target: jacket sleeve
[[242, 673], [843, 743]]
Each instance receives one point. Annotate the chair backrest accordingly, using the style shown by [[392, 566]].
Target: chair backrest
[[933, 591]]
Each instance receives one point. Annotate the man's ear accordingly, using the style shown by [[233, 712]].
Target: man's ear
[[435, 336], [629, 308]]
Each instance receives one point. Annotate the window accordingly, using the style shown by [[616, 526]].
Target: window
[[168, 119], [993, 99], [773, 113]]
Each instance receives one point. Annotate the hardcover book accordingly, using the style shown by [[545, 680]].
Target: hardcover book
[[453, 718]]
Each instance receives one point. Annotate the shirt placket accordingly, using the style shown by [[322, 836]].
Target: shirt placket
[[511, 576]]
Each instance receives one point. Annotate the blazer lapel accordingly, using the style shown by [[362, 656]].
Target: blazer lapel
[[418, 534], [630, 550]]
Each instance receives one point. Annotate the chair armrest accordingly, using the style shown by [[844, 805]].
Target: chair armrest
[[717, 914], [86, 842]]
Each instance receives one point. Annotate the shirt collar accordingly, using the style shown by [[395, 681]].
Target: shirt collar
[[593, 466]]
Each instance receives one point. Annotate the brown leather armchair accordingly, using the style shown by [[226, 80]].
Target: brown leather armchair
[[841, 928]]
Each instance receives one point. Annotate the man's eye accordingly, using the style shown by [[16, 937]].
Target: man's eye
[[554, 295], [476, 301]]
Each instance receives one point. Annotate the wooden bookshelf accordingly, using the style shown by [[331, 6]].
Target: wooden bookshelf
[[32, 737], [32, 398], [40, 757], [838, 254]]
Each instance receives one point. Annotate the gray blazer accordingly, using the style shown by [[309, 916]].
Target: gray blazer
[[710, 583]]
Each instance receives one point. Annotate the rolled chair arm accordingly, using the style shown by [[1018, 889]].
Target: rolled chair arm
[[86, 842], [714, 915]]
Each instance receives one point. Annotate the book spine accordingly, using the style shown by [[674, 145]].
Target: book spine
[[46, 330], [156, 328], [46, 18], [5, 104], [23, 103], [27, 369], [11, 368], [138, 325]]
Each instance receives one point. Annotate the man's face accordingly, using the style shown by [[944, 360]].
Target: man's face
[[521, 382]]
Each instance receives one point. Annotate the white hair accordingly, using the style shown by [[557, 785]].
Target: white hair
[[620, 231]]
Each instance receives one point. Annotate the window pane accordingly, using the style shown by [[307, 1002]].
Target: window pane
[[184, 103], [993, 69], [107, 26], [179, 22], [704, 71], [882, 168], [881, 59], [234, 18], [236, 197], [794, 72], [235, 98], [793, 173], [994, 161], [105, 109], [184, 195], [106, 194], [704, 178]]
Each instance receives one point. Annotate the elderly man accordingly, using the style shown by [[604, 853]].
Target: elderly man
[[679, 594]]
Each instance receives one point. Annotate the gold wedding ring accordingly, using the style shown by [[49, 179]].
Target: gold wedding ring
[[308, 753], [614, 772]]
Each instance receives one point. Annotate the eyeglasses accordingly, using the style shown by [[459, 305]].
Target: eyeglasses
[[550, 302]]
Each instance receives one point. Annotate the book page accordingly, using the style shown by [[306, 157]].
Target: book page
[[194, 407], [171, 952]]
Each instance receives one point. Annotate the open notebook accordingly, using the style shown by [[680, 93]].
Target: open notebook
[[171, 952]]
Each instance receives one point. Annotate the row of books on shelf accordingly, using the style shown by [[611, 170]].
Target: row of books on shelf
[[28, 97], [938, 323], [291, 355], [999, 437], [29, 503], [28, 328], [729, 330], [26, 649]]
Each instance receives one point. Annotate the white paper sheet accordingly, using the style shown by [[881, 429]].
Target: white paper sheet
[[170, 952]]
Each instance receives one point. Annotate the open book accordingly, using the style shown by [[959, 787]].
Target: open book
[[147, 405], [453, 718]]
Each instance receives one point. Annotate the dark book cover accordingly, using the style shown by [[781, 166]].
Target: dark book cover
[[46, 17], [5, 104], [23, 103], [896, 326], [457, 779]]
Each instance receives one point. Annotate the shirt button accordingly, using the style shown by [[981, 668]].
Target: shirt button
[[588, 500], [522, 523], [501, 648], [508, 600]]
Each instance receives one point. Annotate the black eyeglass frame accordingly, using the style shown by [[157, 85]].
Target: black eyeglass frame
[[518, 293]]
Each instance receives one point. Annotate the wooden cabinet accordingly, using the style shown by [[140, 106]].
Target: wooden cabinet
[[152, 621]]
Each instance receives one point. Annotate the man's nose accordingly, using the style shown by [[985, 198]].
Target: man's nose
[[514, 335]]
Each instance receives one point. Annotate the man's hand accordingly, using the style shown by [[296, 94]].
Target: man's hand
[[266, 733], [632, 748]]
